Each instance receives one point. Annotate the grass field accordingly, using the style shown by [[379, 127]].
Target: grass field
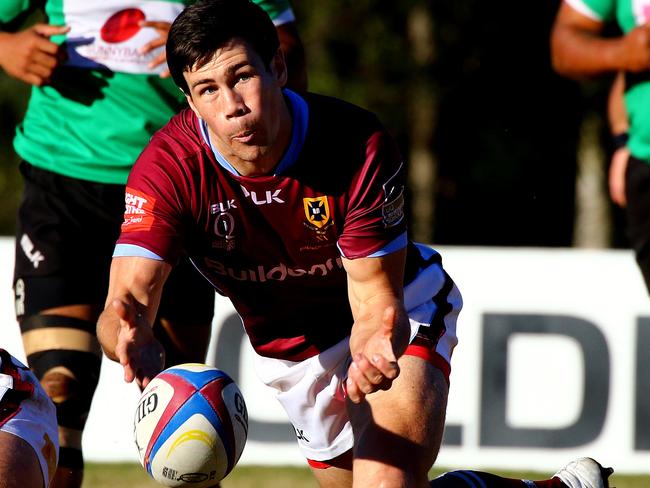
[[133, 476]]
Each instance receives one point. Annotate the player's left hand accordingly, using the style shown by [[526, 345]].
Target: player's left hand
[[162, 28], [375, 367]]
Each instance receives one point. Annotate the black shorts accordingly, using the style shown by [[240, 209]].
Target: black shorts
[[65, 236], [637, 189]]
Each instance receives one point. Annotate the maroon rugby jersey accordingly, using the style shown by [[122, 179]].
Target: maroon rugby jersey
[[273, 244]]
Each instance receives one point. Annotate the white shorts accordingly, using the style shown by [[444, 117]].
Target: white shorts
[[27, 412], [311, 391]]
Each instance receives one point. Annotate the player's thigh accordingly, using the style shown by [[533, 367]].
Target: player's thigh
[[19, 465], [65, 235], [400, 430], [185, 315], [334, 473], [333, 477]]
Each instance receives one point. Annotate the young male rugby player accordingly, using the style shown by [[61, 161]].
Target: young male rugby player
[[293, 207]]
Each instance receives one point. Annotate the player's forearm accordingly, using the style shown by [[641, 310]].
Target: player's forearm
[[579, 54], [133, 298], [108, 327]]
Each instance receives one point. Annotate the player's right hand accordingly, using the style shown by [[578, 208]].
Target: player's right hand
[[636, 49], [137, 350], [29, 55], [374, 367]]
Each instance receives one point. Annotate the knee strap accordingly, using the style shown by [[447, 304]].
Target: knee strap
[[66, 357]]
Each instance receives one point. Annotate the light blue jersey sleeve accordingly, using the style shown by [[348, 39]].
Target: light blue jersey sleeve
[[395, 245], [131, 250]]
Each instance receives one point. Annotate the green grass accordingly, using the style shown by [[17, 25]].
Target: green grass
[[133, 476]]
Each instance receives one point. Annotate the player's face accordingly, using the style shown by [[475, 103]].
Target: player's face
[[241, 101]]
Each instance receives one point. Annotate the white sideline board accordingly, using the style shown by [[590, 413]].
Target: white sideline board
[[553, 363]]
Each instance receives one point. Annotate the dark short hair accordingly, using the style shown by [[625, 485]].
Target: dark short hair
[[207, 25]]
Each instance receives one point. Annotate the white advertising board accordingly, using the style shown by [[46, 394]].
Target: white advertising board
[[552, 364]]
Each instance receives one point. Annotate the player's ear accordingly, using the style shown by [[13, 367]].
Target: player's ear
[[279, 67]]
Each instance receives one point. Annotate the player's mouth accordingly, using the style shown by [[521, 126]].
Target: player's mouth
[[243, 137]]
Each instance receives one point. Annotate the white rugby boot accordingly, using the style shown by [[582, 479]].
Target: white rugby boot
[[584, 473]]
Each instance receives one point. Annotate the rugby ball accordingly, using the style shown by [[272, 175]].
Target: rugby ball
[[190, 426]]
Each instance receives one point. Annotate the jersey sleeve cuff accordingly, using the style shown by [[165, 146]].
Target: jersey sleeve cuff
[[131, 250], [395, 245]]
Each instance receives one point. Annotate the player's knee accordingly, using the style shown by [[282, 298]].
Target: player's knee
[[61, 386], [65, 356]]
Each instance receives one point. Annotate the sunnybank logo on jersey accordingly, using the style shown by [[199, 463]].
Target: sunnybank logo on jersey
[[277, 273], [106, 35]]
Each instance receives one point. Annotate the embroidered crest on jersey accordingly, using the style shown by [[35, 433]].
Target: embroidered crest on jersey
[[138, 211], [392, 209], [317, 211]]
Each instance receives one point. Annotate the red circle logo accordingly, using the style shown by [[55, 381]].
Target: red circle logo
[[122, 25]]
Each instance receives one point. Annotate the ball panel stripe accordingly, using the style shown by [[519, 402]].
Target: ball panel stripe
[[198, 379], [215, 390], [196, 403], [182, 390]]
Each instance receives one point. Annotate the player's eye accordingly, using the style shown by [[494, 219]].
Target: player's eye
[[208, 90], [243, 77]]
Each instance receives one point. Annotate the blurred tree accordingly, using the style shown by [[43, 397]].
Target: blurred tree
[[13, 101], [507, 128]]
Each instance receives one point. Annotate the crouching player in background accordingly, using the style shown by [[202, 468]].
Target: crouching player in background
[[292, 205], [29, 444]]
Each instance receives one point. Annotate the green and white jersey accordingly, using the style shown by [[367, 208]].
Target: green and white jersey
[[103, 105], [628, 14]]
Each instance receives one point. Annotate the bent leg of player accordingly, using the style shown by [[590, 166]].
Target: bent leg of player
[[28, 432], [65, 355], [398, 432], [581, 473], [185, 315]]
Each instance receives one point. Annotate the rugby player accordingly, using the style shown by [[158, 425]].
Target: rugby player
[[293, 207]]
